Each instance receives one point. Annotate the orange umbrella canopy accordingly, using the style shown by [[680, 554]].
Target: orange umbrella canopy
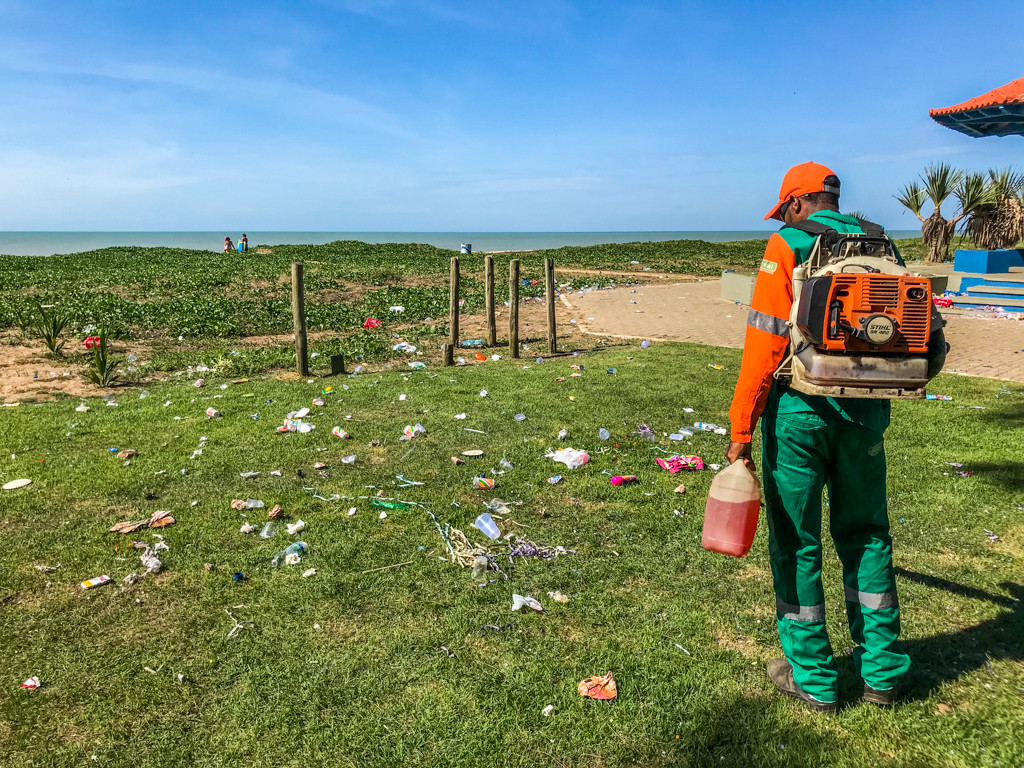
[[997, 113]]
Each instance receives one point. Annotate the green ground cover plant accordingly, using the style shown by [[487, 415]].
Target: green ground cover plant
[[350, 668]]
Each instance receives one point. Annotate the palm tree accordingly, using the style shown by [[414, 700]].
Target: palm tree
[[940, 181], [1000, 222]]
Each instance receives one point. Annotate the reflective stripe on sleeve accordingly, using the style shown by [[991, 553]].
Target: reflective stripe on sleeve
[[799, 612], [876, 601], [765, 322]]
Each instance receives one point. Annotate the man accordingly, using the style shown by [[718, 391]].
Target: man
[[810, 442]]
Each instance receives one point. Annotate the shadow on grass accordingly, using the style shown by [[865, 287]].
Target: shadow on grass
[[1008, 474], [742, 733], [943, 658]]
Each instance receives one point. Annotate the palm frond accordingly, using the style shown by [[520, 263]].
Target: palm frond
[[913, 198], [940, 181]]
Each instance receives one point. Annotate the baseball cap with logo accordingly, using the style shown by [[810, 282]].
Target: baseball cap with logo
[[804, 179]]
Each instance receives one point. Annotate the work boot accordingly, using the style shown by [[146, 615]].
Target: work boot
[[781, 673], [884, 698]]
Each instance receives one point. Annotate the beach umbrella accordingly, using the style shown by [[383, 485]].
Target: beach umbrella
[[997, 113]]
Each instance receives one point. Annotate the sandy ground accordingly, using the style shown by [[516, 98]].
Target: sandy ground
[[695, 311]]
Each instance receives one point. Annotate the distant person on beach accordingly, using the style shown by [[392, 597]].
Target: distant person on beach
[[228, 245], [243, 244]]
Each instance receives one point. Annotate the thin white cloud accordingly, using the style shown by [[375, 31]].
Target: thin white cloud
[[912, 154]]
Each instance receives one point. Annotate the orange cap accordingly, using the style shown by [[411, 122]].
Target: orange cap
[[803, 179]]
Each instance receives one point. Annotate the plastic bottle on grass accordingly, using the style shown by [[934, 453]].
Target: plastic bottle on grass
[[298, 548], [730, 517]]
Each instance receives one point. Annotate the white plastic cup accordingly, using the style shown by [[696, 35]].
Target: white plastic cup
[[486, 525]]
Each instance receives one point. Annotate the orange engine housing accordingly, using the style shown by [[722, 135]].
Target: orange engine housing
[[836, 310]]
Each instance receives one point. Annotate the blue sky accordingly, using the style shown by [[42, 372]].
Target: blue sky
[[479, 115]]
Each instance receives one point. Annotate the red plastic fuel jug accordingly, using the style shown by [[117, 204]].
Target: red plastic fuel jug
[[730, 517]]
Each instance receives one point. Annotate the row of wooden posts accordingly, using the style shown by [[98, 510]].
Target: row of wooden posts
[[448, 350]]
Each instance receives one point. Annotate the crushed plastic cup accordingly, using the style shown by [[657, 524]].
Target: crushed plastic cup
[[293, 528], [268, 531], [348, 459], [253, 504], [603, 433], [562, 434], [486, 525], [520, 417], [339, 432]]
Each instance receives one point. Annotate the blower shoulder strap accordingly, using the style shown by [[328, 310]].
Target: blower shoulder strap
[[814, 228]]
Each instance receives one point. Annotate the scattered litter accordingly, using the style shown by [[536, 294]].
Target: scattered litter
[[473, 453], [624, 480], [603, 433], [158, 519], [371, 322], [683, 649], [293, 528], [47, 568], [99, 581], [716, 367], [31, 684], [275, 511], [268, 531], [151, 561], [239, 625], [680, 489], [131, 578], [483, 483], [351, 511], [991, 536], [486, 525], [554, 479], [247, 528], [518, 601], [598, 687], [386, 567], [483, 393], [14, 484], [247, 475], [938, 397], [212, 413], [308, 573], [558, 597], [548, 710], [290, 555], [382, 516], [676, 464], [562, 434], [447, 653], [413, 431], [520, 417], [571, 457], [405, 348], [460, 416]]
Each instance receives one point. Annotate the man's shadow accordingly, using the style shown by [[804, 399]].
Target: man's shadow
[[942, 658]]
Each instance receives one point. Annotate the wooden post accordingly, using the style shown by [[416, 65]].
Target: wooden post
[[549, 281], [492, 331], [453, 308], [513, 308], [299, 320], [449, 355]]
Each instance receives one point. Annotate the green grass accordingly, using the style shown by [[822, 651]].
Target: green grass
[[371, 686]]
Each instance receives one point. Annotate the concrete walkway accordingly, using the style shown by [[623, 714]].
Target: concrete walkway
[[695, 311]]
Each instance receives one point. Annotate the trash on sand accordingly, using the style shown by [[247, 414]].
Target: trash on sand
[[624, 480], [548, 710], [558, 597], [17, 484], [600, 687], [518, 601], [572, 458], [472, 343], [151, 561], [483, 483], [298, 548], [676, 464], [486, 525], [293, 528], [31, 684], [99, 581]]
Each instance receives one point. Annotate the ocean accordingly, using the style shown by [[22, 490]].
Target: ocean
[[47, 243]]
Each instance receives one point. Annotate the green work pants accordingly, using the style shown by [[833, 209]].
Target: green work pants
[[802, 453]]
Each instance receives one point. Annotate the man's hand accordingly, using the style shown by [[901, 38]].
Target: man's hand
[[737, 451]]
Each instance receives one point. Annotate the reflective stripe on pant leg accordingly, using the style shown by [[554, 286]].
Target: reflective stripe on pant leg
[[859, 524], [794, 474]]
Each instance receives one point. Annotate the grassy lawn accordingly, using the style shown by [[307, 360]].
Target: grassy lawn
[[347, 668]]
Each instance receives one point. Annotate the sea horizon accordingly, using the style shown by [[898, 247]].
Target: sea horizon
[[46, 243]]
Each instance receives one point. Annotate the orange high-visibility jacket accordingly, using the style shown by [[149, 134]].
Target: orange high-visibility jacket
[[767, 337]]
